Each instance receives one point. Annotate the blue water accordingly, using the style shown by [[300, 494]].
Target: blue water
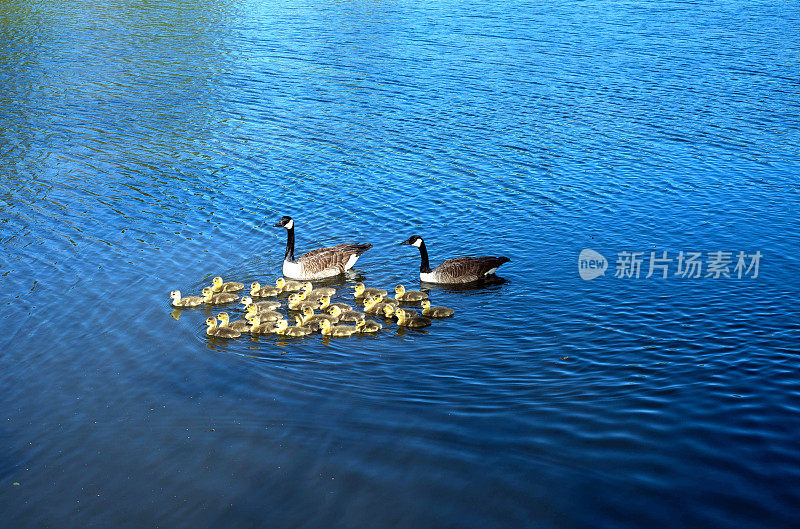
[[149, 146]]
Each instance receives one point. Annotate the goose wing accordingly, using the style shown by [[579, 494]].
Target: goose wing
[[466, 269], [335, 257]]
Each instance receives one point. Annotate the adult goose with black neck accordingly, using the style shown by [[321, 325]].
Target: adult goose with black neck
[[320, 263], [456, 270]]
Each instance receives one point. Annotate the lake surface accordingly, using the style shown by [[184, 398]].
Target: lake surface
[[149, 146]]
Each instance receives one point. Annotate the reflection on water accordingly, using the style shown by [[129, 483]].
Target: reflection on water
[[148, 146]]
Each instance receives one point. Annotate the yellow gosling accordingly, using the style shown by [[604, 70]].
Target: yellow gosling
[[416, 321], [346, 316], [218, 299], [361, 290], [269, 291], [368, 326], [312, 320], [219, 332], [435, 312], [217, 285], [264, 315], [188, 301], [288, 286], [284, 330], [338, 330], [236, 325], [259, 327], [401, 294], [247, 301]]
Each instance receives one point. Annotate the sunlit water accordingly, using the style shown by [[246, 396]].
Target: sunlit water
[[149, 146]]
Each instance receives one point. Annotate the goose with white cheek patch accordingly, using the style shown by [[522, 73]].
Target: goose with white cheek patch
[[456, 270], [320, 263]]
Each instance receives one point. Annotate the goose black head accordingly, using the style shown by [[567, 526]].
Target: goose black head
[[414, 240], [286, 222]]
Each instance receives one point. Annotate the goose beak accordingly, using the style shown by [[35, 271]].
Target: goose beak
[[277, 225], [407, 241]]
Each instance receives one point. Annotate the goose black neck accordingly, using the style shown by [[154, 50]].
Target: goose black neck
[[424, 266], [289, 245]]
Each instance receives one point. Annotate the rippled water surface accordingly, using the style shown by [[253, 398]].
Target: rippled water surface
[[149, 146]]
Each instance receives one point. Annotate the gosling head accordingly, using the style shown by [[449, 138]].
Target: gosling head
[[388, 311], [207, 293], [285, 222], [360, 324], [175, 294], [251, 310], [224, 318], [280, 283], [426, 304], [308, 311], [211, 321], [414, 240], [359, 288], [293, 300], [307, 286], [335, 312], [298, 320], [401, 315], [324, 326], [399, 290], [255, 320], [324, 302], [281, 325], [247, 301], [217, 282]]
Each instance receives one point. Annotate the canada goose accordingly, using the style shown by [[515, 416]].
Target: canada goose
[[247, 301], [217, 285], [401, 294], [218, 299], [346, 316], [220, 332], [368, 326], [435, 312], [188, 301], [313, 321], [284, 330], [263, 315], [236, 325], [361, 291], [268, 291], [259, 327], [320, 263], [457, 270], [416, 321], [327, 329]]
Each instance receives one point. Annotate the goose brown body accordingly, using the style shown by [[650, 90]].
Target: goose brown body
[[319, 263], [456, 270]]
